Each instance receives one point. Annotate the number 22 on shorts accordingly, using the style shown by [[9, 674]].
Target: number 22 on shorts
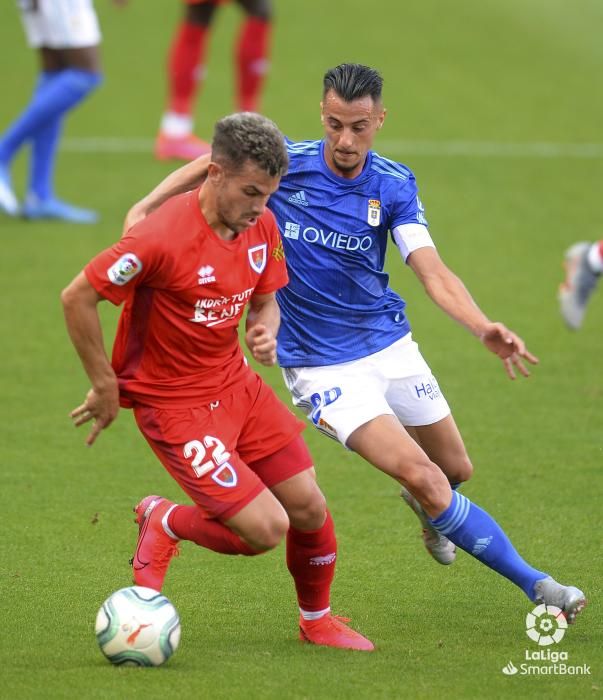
[[198, 450]]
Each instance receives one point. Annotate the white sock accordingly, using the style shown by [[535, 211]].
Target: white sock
[[164, 522], [176, 125], [314, 615], [595, 261]]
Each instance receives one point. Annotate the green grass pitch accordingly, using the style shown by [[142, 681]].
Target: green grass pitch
[[497, 107]]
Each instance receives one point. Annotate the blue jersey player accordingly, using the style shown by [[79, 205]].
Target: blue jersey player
[[345, 344]]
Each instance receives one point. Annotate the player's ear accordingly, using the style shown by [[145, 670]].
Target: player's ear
[[381, 118], [215, 172], [322, 113]]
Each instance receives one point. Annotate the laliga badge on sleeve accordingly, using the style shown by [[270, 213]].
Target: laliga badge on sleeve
[[374, 212], [122, 271]]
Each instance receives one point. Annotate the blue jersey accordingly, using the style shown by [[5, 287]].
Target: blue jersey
[[337, 306]]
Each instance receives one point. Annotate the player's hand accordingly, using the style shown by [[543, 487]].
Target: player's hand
[[101, 406], [262, 344], [509, 347]]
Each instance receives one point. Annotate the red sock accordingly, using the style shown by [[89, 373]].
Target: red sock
[[185, 64], [311, 560], [188, 523], [252, 62]]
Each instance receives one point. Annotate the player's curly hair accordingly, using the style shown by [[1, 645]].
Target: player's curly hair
[[351, 81], [248, 136]]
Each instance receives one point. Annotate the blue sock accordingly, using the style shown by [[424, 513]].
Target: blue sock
[[473, 530], [55, 94], [43, 151]]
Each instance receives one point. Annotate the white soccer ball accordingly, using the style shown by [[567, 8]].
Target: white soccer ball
[[137, 626]]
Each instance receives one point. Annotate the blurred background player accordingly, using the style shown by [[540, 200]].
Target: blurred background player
[[583, 267], [67, 36], [186, 71]]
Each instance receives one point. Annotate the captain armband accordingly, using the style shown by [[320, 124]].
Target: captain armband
[[410, 237]]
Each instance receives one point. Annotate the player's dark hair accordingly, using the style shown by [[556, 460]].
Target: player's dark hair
[[351, 81], [247, 136]]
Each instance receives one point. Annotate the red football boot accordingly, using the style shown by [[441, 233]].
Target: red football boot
[[182, 148], [155, 548], [330, 631]]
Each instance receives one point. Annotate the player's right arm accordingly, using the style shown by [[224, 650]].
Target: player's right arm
[[182, 180], [80, 301]]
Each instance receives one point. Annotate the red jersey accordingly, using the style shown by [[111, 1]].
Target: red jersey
[[184, 290]]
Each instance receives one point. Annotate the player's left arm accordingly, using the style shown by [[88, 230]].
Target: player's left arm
[[450, 294], [262, 323]]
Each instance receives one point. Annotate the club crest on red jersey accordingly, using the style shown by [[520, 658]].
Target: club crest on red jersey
[[257, 257], [225, 476]]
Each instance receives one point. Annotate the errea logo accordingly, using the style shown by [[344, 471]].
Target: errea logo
[[206, 274]]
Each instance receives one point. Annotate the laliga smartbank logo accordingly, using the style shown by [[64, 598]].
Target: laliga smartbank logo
[[546, 625]]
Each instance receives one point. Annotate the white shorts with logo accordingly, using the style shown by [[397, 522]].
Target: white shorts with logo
[[395, 381], [60, 24]]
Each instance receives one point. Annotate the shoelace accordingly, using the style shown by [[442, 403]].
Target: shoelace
[[329, 618], [332, 620], [340, 618]]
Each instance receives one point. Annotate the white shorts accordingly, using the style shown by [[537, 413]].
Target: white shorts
[[60, 24], [395, 381]]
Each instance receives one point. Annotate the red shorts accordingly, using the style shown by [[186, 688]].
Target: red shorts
[[223, 454]]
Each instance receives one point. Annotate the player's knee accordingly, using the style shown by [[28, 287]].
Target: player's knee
[[269, 533], [310, 514], [460, 470], [261, 9], [200, 14], [465, 471], [428, 485]]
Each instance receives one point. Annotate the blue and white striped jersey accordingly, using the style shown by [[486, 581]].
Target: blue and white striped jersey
[[337, 306]]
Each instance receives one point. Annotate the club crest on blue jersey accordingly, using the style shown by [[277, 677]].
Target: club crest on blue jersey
[[374, 212], [257, 258]]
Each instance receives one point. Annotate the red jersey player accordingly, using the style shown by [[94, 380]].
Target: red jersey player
[[185, 275]]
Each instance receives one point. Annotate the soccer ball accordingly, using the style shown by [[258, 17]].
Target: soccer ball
[[137, 626]]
